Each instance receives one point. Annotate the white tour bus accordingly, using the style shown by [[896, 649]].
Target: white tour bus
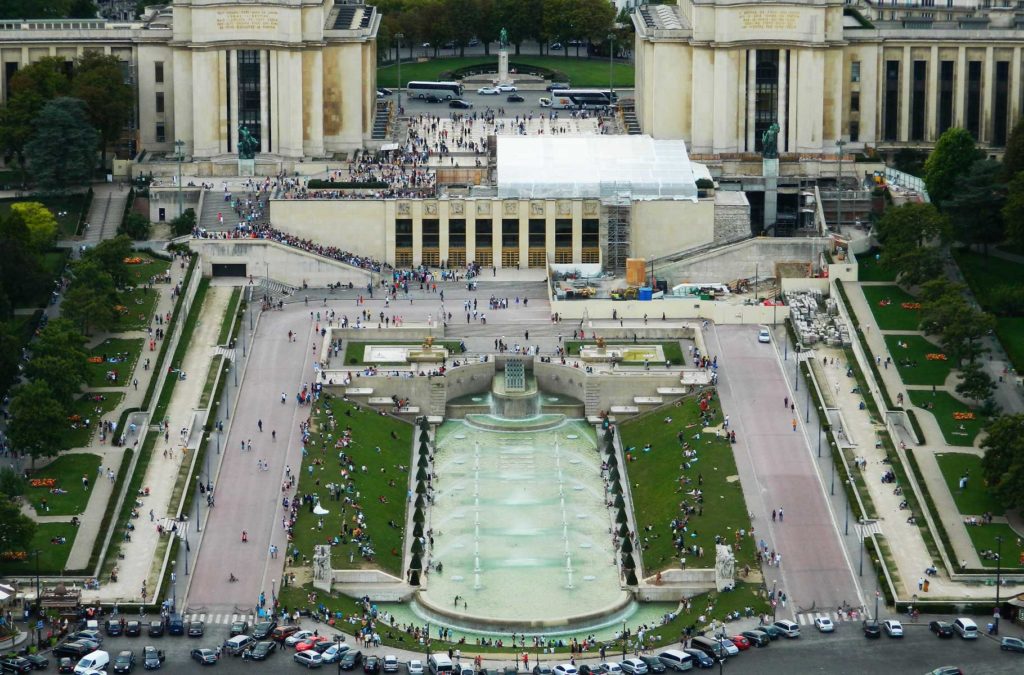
[[443, 90]]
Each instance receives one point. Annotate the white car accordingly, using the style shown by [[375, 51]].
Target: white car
[[415, 667], [564, 669], [506, 88], [764, 336], [296, 638], [488, 91], [610, 668], [334, 653], [390, 663], [893, 628], [729, 646], [824, 624], [634, 667]]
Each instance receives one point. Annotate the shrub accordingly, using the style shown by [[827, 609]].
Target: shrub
[[136, 226], [184, 224]]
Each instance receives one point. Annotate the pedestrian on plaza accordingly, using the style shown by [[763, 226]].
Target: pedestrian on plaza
[[781, 514], [794, 424], [785, 401], [773, 515]]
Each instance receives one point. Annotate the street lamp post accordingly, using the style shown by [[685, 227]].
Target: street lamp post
[[611, 57], [198, 526], [820, 412], [861, 572], [174, 587], [839, 188], [877, 593], [846, 527], [832, 490], [234, 371], [807, 413], [623, 640], [273, 595], [179, 145], [38, 591], [999, 579], [796, 370], [227, 396], [775, 600], [399, 37], [186, 550]]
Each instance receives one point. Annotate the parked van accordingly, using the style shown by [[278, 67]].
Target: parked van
[[712, 648], [238, 644], [967, 629], [96, 660], [675, 659], [440, 663]]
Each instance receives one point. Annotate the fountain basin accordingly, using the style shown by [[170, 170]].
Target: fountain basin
[[559, 617]]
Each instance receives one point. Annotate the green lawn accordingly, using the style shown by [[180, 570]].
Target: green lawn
[[67, 470], [1010, 331], [984, 539], [66, 208], [868, 269], [984, 273], [93, 411], [52, 557], [354, 351], [120, 355], [673, 352], [942, 405], [369, 431], [138, 309], [910, 354], [892, 315], [657, 492], [976, 498], [229, 316], [580, 72]]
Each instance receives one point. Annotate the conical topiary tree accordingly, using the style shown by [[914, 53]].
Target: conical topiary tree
[[418, 517], [424, 449], [414, 578], [616, 488], [613, 474], [417, 530], [424, 437], [424, 425], [609, 435], [420, 502], [627, 545], [628, 562], [417, 547], [416, 563], [612, 461], [620, 517], [421, 488], [423, 463], [421, 474], [623, 530], [631, 578], [620, 503]]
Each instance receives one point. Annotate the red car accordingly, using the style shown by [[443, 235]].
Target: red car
[[741, 642], [311, 642]]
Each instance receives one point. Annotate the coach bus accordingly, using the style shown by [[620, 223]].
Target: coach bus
[[579, 99], [444, 90]]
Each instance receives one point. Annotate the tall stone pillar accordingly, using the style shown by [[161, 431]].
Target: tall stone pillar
[[1015, 86], [264, 100], [751, 98], [233, 97], [988, 78], [313, 103], [932, 97], [906, 93], [960, 88], [783, 101]]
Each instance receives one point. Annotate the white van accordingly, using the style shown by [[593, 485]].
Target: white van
[[967, 629], [440, 663], [96, 660], [675, 659]]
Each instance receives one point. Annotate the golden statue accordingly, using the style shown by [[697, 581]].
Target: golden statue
[[428, 342], [600, 343]]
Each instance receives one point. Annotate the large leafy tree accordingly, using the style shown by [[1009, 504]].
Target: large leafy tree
[[521, 18], [975, 209], [31, 88], [1013, 210], [40, 221], [91, 301], [1013, 158], [908, 234], [99, 81], [10, 341], [62, 153], [110, 255], [47, 9], [975, 383], [948, 162], [16, 529], [59, 359], [37, 422], [21, 273], [1003, 462]]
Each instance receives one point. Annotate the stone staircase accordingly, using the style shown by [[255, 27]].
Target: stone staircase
[[213, 204], [591, 400], [438, 398], [629, 120], [105, 216], [274, 289], [381, 121]]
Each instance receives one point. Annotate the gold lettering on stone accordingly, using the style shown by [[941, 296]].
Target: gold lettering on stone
[[248, 19], [769, 19]]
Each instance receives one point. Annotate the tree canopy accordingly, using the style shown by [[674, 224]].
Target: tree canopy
[[40, 221], [975, 208], [948, 162], [37, 421], [99, 81], [62, 152], [908, 234], [1003, 462]]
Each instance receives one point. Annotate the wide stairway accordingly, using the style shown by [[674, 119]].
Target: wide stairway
[[381, 121]]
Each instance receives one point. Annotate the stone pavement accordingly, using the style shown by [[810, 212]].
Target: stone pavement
[[108, 202], [136, 569], [903, 547]]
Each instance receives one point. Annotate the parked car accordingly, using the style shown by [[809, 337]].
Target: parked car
[[473, 42], [390, 663], [730, 647], [15, 664], [310, 659], [239, 628], [654, 664], [206, 657], [771, 631], [515, 98], [334, 652], [133, 628], [65, 665], [414, 667], [488, 91], [238, 644], [371, 665], [432, 98], [633, 667], [72, 649], [384, 91], [542, 669], [113, 627], [507, 88], [38, 661], [824, 624], [263, 629], [282, 633], [700, 658], [942, 629], [872, 629], [175, 625], [557, 86], [609, 668], [966, 628], [152, 658], [946, 670], [459, 103], [892, 628], [87, 634], [296, 637], [196, 628], [156, 628], [124, 662], [261, 650], [741, 642], [310, 642], [353, 658], [788, 628], [757, 638], [1011, 644], [564, 669], [556, 46]]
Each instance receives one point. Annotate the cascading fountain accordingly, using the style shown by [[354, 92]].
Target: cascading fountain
[[517, 564]]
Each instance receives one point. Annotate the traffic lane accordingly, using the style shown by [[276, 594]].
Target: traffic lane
[[247, 498], [842, 652], [814, 569]]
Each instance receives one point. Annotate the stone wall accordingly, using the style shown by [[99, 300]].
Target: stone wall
[[732, 216], [281, 263]]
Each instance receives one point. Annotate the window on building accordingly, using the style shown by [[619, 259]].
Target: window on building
[[591, 241], [891, 112], [974, 98], [249, 91], [537, 237], [918, 101], [1001, 103], [855, 71], [510, 233], [457, 233], [161, 133], [766, 97], [158, 72], [484, 235], [431, 233], [945, 113], [563, 240], [159, 108], [403, 242], [855, 101], [854, 131]]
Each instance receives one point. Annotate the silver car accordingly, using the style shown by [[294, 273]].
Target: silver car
[[634, 667], [415, 667]]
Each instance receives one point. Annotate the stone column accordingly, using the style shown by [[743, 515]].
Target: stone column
[[264, 100], [751, 98], [783, 102], [524, 233], [906, 82], [181, 121], [496, 243], [444, 208], [274, 128], [988, 76], [313, 103], [932, 96], [1015, 88], [960, 88], [233, 108], [577, 231]]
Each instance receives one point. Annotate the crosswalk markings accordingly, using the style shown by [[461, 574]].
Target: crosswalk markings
[[807, 618], [219, 619], [869, 529]]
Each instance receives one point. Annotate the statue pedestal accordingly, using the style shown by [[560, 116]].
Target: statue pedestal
[[503, 77], [770, 168], [770, 171], [247, 167]]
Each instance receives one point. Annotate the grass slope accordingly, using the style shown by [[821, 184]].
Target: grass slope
[[52, 557], [943, 406], [892, 316], [910, 354], [976, 498], [125, 351], [580, 72], [67, 470]]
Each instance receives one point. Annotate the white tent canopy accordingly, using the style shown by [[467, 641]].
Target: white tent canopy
[[538, 167]]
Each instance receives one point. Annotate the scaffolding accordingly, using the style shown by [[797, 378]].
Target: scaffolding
[[617, 208]]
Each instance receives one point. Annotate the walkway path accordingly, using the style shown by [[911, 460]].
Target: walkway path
[[108, 202]]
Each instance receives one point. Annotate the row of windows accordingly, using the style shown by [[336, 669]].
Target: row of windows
[[510, 237]]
